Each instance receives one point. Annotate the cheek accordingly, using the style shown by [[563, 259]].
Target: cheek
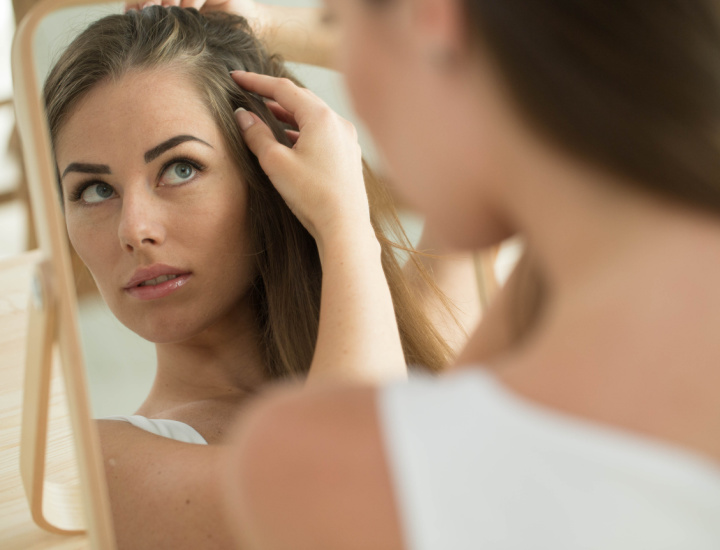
[[96, 252], [224, 225], [90, 242]]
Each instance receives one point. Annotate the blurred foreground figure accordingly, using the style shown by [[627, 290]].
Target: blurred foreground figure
[[591, 129]]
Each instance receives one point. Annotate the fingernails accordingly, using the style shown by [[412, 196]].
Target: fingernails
[[245, 119]]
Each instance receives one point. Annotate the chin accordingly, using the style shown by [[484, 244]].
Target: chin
[[164, 336], [173, 333], [159, 337], [160, 331]]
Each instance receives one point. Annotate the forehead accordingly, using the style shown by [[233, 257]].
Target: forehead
[[121, 119]]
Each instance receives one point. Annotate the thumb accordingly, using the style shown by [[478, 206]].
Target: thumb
[[258, 137]]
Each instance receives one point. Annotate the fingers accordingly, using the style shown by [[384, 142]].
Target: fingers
[[293, 135], [297, 101], [283, 116], [312, 117], [260, 140], [281, 113]]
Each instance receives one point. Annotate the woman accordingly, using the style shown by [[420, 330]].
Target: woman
[[590, 127], [194, 249]]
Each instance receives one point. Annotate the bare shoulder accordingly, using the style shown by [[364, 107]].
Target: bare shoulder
[[163, 493], [308, 470]]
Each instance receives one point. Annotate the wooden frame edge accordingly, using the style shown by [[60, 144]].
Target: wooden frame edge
[[53, 316]]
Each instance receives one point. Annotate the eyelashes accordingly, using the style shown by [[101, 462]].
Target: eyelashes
[[179, 161], [76, 194]]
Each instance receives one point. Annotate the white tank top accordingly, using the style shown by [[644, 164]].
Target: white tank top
[[476, 466], [171, 429]]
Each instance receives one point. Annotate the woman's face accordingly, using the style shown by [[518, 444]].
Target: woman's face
[[155, 206]]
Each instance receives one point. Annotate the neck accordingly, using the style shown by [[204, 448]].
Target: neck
[[626, 334], [224, 363]]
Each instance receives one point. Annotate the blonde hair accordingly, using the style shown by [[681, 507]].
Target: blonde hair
[[206, 47]]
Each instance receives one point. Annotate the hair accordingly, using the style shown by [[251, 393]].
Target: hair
[[630, 86], [286, 291]]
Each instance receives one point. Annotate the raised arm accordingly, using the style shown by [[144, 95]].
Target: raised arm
[[321, 180]]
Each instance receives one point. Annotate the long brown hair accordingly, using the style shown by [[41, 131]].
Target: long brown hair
[[206, 47], [631, 86]]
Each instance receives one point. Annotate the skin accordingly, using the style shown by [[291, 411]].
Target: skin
[[628, 252]]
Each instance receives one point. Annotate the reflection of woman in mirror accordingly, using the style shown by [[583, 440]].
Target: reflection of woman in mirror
[[193, 248]]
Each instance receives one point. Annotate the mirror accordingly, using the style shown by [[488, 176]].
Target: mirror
[[73, 505], [120, 365]]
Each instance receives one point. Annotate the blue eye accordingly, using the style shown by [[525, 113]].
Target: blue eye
[[97, 192], [178, 172]]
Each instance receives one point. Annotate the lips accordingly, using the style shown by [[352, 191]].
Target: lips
[[156, 281], [145, 275]]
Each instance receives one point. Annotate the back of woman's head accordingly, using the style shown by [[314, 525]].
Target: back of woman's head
[[630, 85], [206, 47]]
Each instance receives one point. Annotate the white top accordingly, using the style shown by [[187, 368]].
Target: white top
[[172, 429], [476, 466]]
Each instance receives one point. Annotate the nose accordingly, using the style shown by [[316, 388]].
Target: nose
[[141, 221]]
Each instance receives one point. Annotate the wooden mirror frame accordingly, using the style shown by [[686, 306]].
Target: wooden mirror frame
[[67, 509]]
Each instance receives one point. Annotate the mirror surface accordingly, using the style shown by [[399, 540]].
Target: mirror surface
[[121, 365]]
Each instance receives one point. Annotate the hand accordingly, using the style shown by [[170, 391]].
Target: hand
[[321, 176]]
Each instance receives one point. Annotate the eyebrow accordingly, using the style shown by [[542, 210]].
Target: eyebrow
[[149, 156], [158, 150], [86, 168]]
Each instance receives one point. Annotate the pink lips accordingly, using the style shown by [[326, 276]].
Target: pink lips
[[153, 292]]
